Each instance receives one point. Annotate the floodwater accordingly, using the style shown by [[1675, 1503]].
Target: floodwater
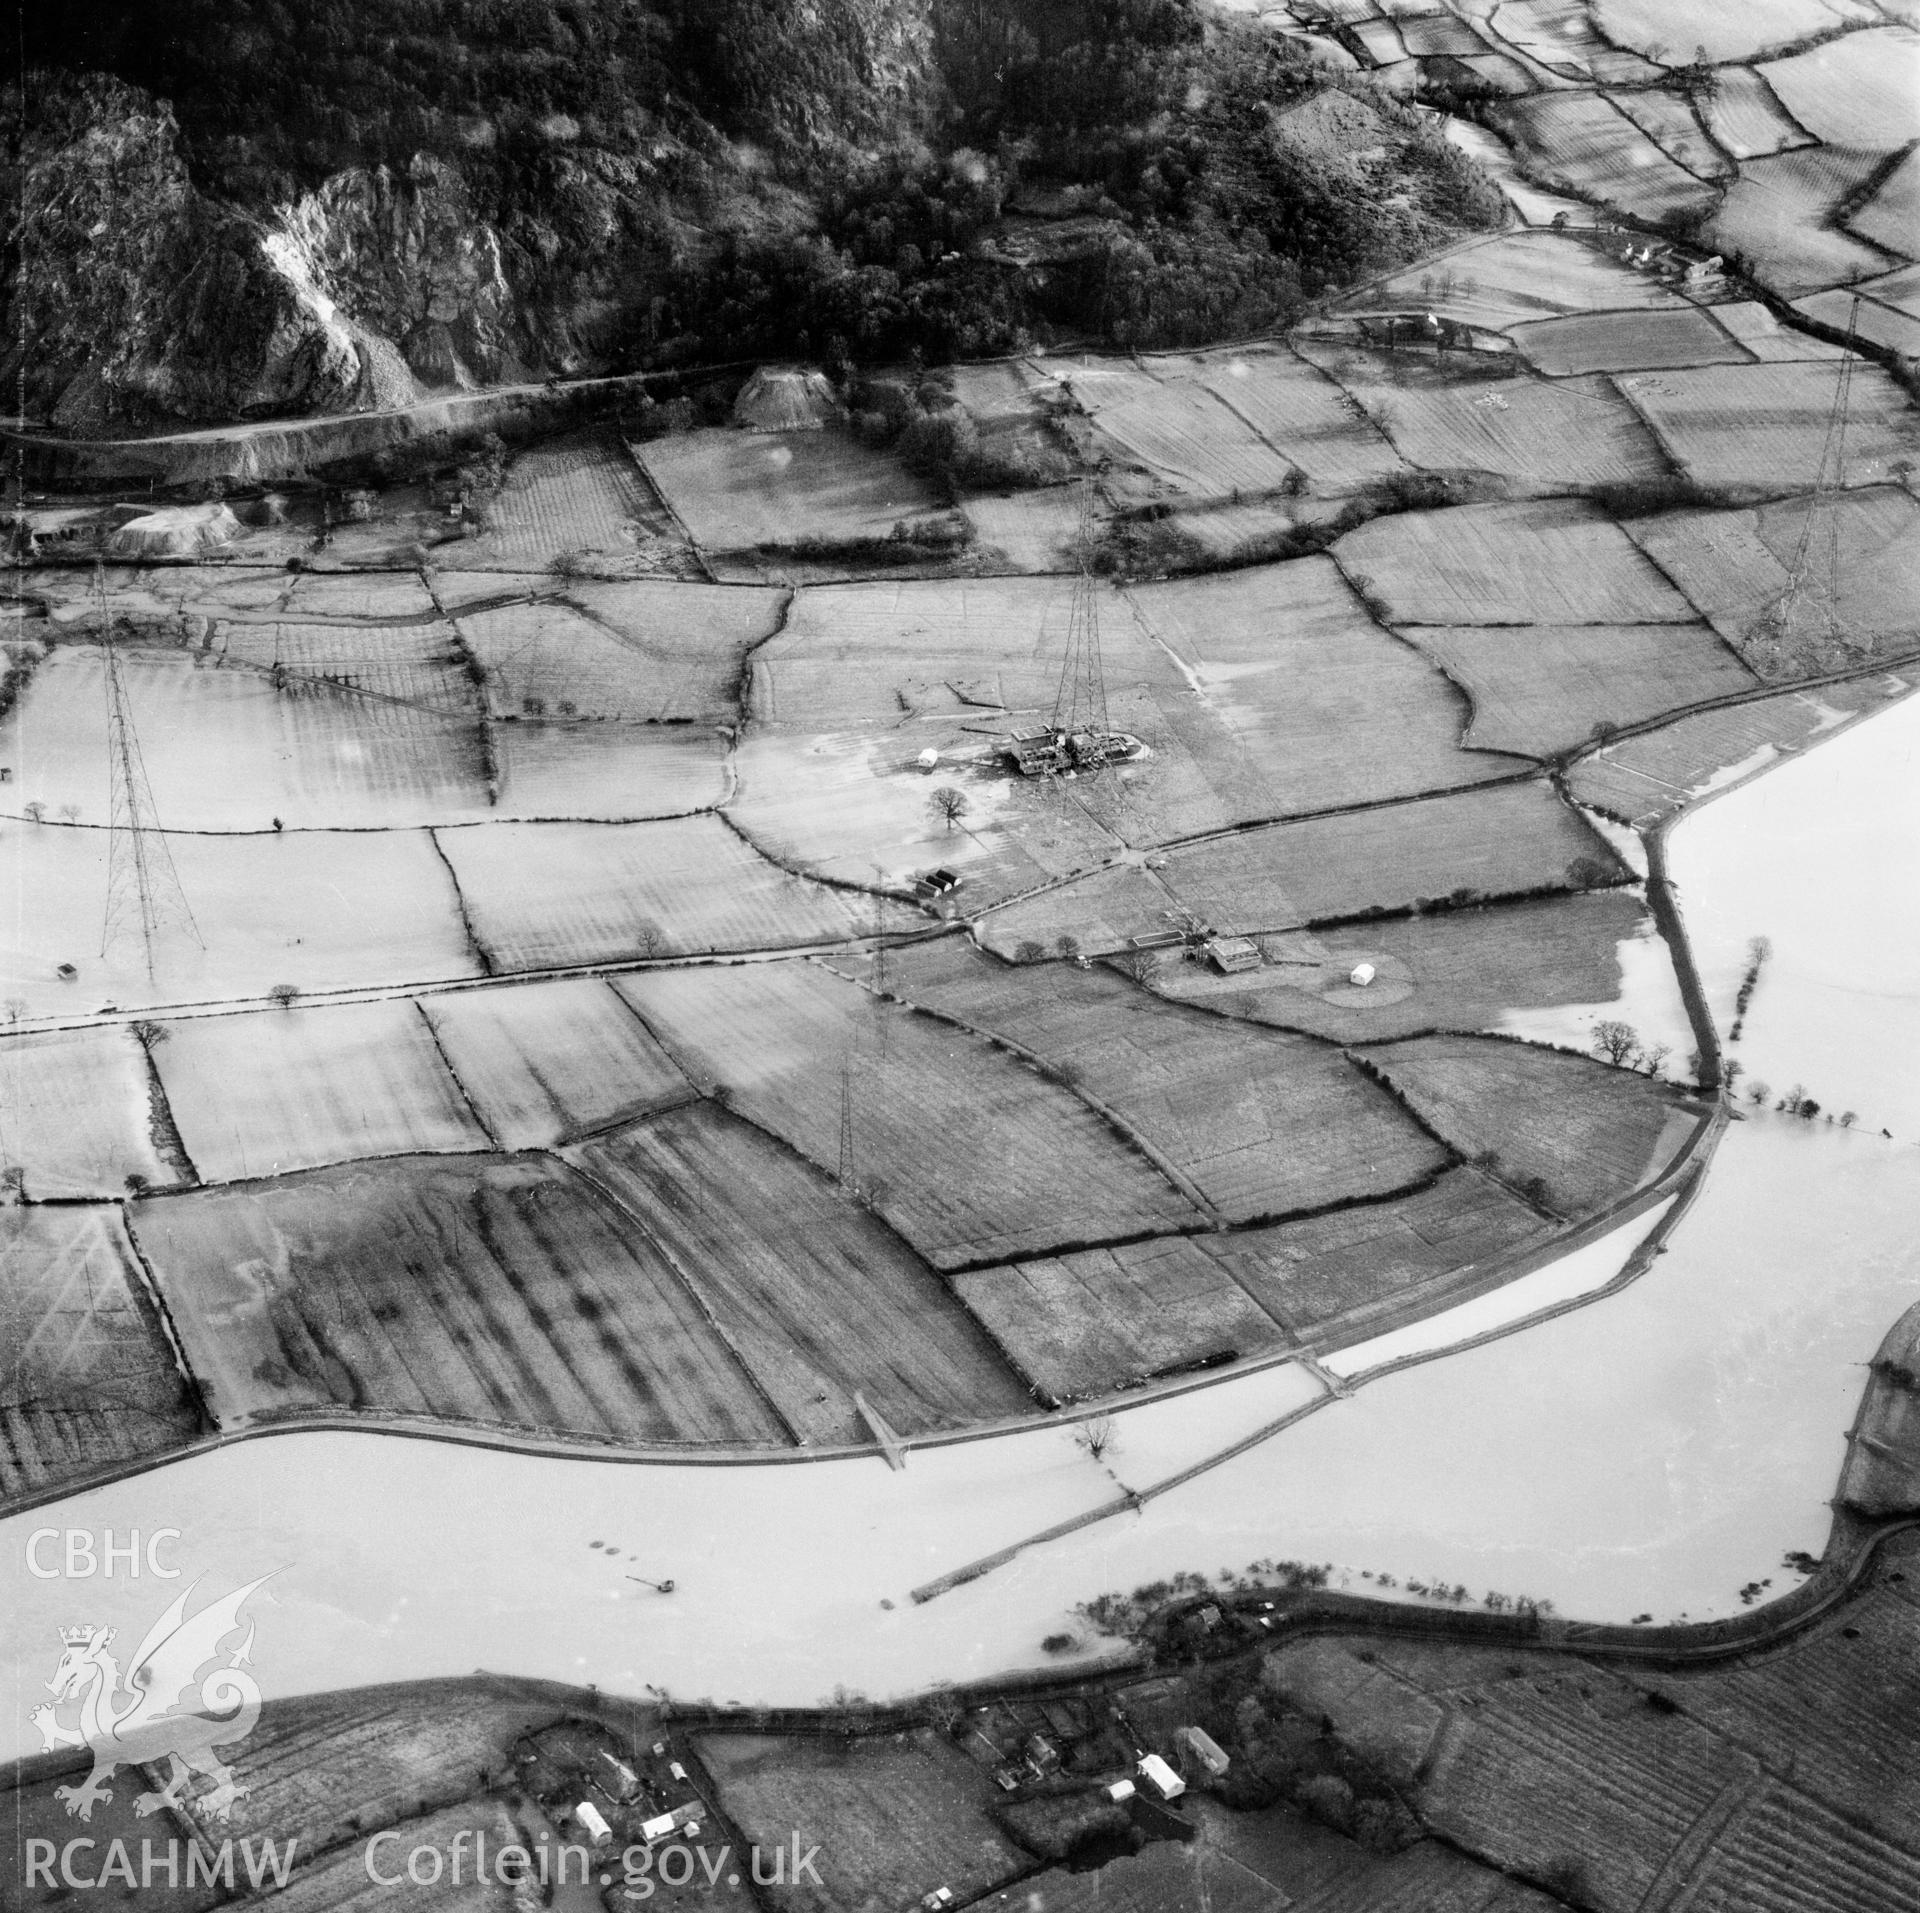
[[1652, 1453]]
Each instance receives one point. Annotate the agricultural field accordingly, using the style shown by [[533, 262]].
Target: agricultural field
[[1027, 531], [1091, 1322], [1453, 416], [1570, 1134], [1547, 562], [1865, 319], [615, 773], [1653, 776], [1296, 408], [1170, 1877], [889, 1815], [1676, 28], [1860, 90], [1668, 119], [821, 1300], [967, 1151], [503, 1293], [547, 896], [580, 496], [740, 492], [89, 1377], [313, 754], [1321, 708], [78, 1116], [1451, 969], [1100, 914], [542, 1063], [1627, 342], [1517, 275], [1539, 690], [1260, 1125], [268, 1091], [1515, 839], [398, 596], [313, 909], [1584, 144], [1760, 333], [1778, 217], [1859, 556], [1184, 439], [642, 653], [1766, 426], [1745, 117], [1560, 34], [1891, 216], [1326, 1279]]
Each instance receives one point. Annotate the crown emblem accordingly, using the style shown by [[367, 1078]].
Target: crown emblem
[[78, 1636]]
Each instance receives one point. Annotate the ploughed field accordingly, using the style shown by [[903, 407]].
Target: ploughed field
[[549, 1033]]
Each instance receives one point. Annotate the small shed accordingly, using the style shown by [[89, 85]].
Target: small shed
[[1161, 1778]]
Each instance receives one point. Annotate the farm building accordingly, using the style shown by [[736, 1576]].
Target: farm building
[[1231, 955], [786, 398]]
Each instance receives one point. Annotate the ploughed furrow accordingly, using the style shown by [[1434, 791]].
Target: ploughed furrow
[[1796, 1856]]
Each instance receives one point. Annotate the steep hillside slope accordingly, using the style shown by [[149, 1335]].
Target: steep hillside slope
[[232, 211]]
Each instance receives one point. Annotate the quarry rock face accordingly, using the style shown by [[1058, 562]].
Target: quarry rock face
[[137, 301]]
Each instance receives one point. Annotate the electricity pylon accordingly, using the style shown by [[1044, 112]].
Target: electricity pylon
[[144, 896], [1080, 704], [1807, 568]]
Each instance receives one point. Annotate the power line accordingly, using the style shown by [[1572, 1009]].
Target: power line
[[144, 896]]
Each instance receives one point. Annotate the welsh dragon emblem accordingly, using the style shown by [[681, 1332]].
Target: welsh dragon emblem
[[172, 1704]]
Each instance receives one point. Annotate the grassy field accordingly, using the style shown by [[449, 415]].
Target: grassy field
[[1755, 327], [1583, 143], [1327, 1278], [76, 1115], [736, 491], [1677, 27], [1866, 319], [1297, 409], [578, 494], [317, 909], [545, 1062], [1494, 843], [1518, 275], [412, 663], [1319, 706], [1778, 216], [1190, 444], [543, 896], [1552, 562], [326, 1769], [1858, 91], [1668, 119], [1263, 1123], [1539, 689], [1891, 218], [1451, 416], [89, 1378], [275, 1090], [888, 1815], [1863, 566], [647, 653], [1088, 1324], [1627, 342], [1100, 913], [1744, 114], [1027, 531], [618, 773], [820, 1299], [969, 1153], [495, 1292], [1560, 34], [312, 754], [1574, 1134], [1647, 778], [1461, 969]]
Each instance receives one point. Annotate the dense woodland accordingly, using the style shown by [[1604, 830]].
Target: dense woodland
[[688, 181]]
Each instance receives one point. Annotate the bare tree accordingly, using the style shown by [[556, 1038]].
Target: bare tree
[[1616, 1042], [1095, 1436], [949, 803], [69, 813], [1848, 1117], [1653, 1056], [1758, 1091], [36, 810], [152, 1035], [285, 994]]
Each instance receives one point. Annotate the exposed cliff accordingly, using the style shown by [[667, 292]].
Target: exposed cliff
[[381, 200]]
